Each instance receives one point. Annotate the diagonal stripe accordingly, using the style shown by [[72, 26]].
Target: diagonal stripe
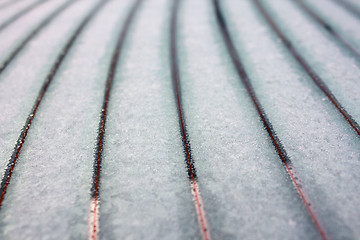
[[20, 14], [38, 29], [268, 126], [349, 7], [94, 203], [335, 34], [313, 75], [8, 4], [185, 138], [12, 162]]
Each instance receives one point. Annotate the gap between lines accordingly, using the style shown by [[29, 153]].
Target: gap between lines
[[20, 14], [185, 139], [8, 4], [313, 75], [33, 33], [349, 7], [268, 126], [95, 196], [335, 34], [19, 144]]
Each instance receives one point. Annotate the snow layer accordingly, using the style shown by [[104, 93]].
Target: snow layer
[[8, 12], [144, 189], [19, 86], [145, 192], [340, 18], [334, 65], [355, 3], [10, 39], [244, 186], [49, 189], [6, 3], [323, 148]]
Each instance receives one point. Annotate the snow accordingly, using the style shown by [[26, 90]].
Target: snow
[[38, 203], [145, 192], [6, 3], [10, 39], [338, 69], [300, 114], [339, 17], [355, 3], [19, 86], [144, 178], [12, 10], [241, 178]]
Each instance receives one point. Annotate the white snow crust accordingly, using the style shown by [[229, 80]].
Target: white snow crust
[[145, 191]]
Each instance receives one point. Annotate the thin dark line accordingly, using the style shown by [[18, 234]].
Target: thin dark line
[[21, 13], [8, 4], [11, 165], [268, 126], [317, 80], [42, 25], [185, 138], [101, 130], [335, 34], [349, 7]]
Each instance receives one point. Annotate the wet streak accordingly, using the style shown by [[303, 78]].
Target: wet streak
[[42, 25], [313, 75], [349, 7], [294, 176], [19, 144], [335, 34], [20, 14], [185, 137], [94, 205]]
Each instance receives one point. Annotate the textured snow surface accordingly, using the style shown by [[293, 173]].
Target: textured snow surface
[[11, 39], [10, 11], [340, 18], [145, 191], [354, 3], [299, 112], [339, 70], [242, 180], [144, 178], [19, 86]]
